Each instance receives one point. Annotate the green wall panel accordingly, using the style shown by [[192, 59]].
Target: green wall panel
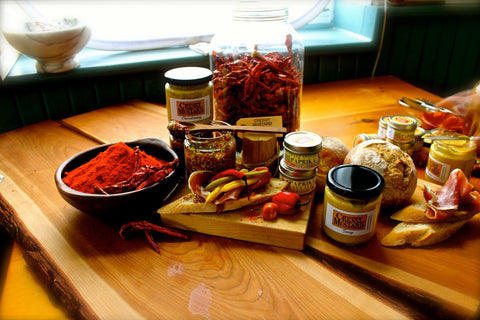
[[9, 116], [433, 47]]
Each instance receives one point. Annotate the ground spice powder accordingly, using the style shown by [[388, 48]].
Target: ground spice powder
[[116, 164]]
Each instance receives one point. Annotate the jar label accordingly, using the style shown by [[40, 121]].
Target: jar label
[[437, 170], [298, 161], [271, 121], [300, 186], [382, 132], [400, 135], [190, 109], [349, 223]]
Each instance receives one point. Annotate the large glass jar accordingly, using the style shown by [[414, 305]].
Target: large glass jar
[[257, 65]]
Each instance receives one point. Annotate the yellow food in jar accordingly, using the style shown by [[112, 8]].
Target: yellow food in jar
[[351, 204], [447, 155], [189, 94]]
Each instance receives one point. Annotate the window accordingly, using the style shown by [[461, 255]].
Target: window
[[148, 24]]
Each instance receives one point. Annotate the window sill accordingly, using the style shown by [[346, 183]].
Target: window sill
[[96, 63]]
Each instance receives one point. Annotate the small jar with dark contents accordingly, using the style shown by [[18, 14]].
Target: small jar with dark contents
[[352, 203], [215, 151]]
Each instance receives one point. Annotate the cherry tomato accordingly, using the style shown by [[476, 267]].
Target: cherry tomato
[[269, 211]]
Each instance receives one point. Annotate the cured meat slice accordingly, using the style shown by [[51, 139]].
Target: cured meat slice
[[457, 194]]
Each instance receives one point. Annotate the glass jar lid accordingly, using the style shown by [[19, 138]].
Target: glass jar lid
[[188, 76], [355, 182], [254, 11]]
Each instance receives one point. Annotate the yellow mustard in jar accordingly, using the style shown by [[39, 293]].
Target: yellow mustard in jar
[[447, 155], [189, 94], [352, 203]]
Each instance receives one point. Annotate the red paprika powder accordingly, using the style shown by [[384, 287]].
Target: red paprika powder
[[118, 169]]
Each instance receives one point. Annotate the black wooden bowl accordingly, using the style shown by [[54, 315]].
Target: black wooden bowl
[[131, 204]]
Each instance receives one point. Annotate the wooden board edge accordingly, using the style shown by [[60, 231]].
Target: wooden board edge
[[444, 301], [239, 231], [42, 262]]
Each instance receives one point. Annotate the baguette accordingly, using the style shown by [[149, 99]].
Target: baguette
[[190, 204], [421, 234]]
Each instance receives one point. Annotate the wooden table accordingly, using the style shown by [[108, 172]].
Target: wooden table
[[77, 256]]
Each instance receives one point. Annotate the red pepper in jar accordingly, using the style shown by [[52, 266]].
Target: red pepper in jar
[[443, 120], [287, 203], [257, 85]]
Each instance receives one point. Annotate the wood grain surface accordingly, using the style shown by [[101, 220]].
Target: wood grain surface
[[246, 224], [83, 261]]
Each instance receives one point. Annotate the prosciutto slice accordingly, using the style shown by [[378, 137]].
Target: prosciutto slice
[[457, 194]]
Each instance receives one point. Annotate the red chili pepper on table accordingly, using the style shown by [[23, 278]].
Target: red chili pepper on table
[[287, 203], [269, 211]]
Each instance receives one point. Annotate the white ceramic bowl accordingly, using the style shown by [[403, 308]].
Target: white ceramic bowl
[[53, 44]]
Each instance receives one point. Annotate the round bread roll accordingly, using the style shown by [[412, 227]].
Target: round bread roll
[[396, 167], [332, 154]]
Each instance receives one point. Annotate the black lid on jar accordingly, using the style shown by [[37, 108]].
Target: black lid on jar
[[355, 182], [188, 76]]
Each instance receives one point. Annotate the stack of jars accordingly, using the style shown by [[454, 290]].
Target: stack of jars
[[299, 165], [403, 131]]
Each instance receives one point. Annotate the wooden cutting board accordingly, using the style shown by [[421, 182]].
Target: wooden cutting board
[[446, 275], [246, 224]]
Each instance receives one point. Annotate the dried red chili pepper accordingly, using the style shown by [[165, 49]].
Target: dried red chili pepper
[[257, 85], [148, 228], [287, 203]]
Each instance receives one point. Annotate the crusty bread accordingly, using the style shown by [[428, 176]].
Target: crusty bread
[[187, 203], [332, 154], [421, 234], [396, 167]]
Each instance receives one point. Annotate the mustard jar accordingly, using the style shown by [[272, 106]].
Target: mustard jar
[[352, 203], [447, 155], [189, 94]]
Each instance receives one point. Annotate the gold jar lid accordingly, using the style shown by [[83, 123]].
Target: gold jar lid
[[402, 123]]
